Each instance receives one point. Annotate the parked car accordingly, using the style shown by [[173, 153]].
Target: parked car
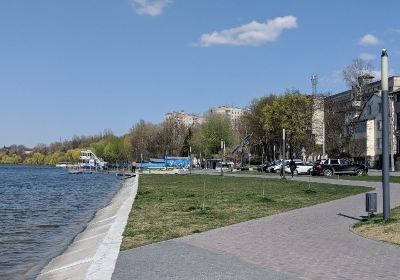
[[277, 167], [263, 167], [302, 168], [330, 167]]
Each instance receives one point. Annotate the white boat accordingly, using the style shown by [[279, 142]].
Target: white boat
[[64, 164], [88, 160]]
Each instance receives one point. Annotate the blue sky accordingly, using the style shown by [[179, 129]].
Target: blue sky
[[72, 67]]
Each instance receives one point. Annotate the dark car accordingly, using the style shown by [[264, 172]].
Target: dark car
[[263, 167], [330, 167]]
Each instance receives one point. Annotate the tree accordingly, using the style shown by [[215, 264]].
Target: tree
[[357, 76], [207, 139], [144, 140], [292, 111], [253, 122], [172, 137], [358, 147]]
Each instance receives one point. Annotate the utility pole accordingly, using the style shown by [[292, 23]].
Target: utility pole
[[385, 135], [283, 153]]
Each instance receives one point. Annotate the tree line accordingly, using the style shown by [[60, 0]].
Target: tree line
[[264, 119]]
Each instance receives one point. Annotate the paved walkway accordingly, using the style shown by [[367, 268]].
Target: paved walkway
[[308, 243]]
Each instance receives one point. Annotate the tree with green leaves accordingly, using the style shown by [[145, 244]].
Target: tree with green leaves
[[207, 139], [253, 122], [293, 112]]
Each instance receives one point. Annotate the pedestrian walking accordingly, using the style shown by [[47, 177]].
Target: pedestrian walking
[[133, 166], [292, 166]]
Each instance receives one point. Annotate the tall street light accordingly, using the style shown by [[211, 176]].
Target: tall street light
[[385, 135]]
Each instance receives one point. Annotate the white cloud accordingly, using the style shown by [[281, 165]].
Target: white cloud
[[333, 79], [367, 56], [253, 33], [150, 7], [369, 39]]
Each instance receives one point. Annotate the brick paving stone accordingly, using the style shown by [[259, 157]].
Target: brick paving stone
[[313, 242], [177, 260]]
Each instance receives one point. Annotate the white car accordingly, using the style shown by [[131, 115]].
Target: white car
[[302, 168], [278, 165]]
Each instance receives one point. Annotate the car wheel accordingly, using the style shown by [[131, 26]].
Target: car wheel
[[296, 172], [328, 172], [360, 172]]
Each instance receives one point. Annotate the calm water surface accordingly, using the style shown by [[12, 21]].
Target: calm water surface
[[41, 210]]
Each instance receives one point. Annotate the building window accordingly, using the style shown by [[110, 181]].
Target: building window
[[379, 125], [379, 143], [360, 127], [398, 145], [398, 121]]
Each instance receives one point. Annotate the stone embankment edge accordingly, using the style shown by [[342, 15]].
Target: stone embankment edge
[[106, 256], [93, 253]]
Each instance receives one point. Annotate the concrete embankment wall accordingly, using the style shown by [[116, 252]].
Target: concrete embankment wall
[[93, 253]]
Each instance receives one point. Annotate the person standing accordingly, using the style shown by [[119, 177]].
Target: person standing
[[292, 166], [133, 166]]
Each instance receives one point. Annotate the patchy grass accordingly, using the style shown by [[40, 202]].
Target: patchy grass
[[170, 206], [376, 228]]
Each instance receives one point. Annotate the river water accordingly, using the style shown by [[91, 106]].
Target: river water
[[41, 210]]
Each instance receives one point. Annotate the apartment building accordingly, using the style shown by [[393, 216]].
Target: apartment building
[[232, 113], [185, 118]]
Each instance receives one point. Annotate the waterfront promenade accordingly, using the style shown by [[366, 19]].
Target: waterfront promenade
[[93, 253], [308, 243]]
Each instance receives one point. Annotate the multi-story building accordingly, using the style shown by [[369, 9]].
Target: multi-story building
[[318, 116], [185, 118], [364, 121], [367, 132], [232, 113], [344, 102]]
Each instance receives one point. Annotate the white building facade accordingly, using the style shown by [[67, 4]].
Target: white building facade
[[185, 118], [232, 113]]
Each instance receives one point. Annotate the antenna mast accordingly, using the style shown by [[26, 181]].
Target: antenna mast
[[314, 82]]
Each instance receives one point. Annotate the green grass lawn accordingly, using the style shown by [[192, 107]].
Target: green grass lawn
[[170, 206], [376, 228]]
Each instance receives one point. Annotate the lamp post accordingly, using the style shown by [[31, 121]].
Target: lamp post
[[385, 135], [283, 153]]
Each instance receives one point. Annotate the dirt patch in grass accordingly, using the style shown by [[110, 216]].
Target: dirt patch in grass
[[376, 228], [170, 206]]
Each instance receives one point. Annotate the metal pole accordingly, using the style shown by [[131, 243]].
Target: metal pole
[[141, 162], [222, 153], [323, 139], [391, 129], [385, 135], [283, 153], [190, 159]]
